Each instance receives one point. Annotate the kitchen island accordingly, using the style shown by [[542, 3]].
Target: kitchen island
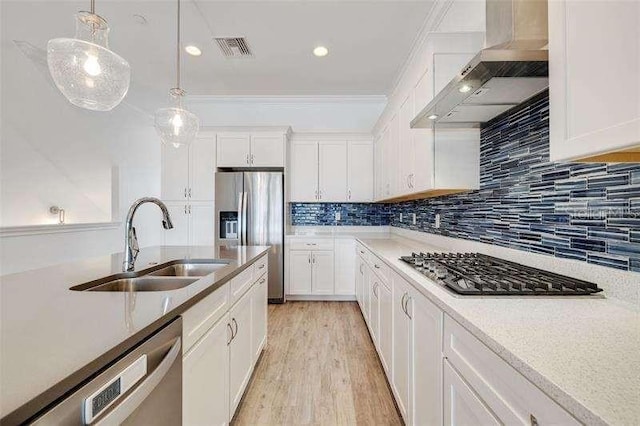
[[53, 338]]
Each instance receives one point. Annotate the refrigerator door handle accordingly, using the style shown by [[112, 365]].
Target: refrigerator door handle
[[240, 224], [244, 218]]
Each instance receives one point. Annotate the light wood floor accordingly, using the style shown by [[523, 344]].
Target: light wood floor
[[319, 368]]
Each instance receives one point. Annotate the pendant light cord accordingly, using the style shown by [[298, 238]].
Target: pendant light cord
[[93, 7], [177, 49]]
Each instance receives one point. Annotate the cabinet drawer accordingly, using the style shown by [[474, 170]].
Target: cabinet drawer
[[380, 268], [240, 284], [260, 267], [512, 397], [311, 244], [201, 316], [362, 252]]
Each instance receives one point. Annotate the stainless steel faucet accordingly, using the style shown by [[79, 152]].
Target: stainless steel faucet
[[131, 248]]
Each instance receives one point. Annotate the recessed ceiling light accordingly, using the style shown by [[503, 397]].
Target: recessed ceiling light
[[432, 117], [193, 50], [320, 51], [464, 89]]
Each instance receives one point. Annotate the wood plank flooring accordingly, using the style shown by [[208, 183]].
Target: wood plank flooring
[[319, 368]]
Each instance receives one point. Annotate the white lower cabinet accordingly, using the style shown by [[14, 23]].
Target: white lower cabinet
[[461, 404], [205, 378], [402, 333], [322, 266], [221, 348], [259, 317], [310, 272], [385, 339], [240, 353], [345, 266], [374, 308]]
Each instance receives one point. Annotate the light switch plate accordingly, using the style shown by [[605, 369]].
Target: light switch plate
[[437, 221], [338, 216], [400, 217], [413, 218]]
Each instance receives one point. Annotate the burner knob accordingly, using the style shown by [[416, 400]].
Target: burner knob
[[441, 273]]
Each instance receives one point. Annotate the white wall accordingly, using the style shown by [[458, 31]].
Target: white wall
[[52, 153], [331, 113]]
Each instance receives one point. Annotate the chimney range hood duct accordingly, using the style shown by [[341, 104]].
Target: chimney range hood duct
[[511, 70]]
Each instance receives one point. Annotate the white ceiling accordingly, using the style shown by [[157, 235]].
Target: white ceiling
[[368, 42]]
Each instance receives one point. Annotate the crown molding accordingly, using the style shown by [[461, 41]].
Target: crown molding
[[286, 100]]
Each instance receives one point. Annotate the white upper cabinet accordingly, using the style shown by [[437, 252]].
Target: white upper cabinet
[[267, 150], [188, 172], [234, 149], [332, 171], [304, 172], [406, 154], [360, 170], [251, 149], [594, 78]]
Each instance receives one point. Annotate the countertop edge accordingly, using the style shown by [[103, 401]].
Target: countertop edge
[[553, 391], [70, 383]]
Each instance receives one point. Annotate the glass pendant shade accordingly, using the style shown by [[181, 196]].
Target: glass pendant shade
[[176, 126], [83, 68]]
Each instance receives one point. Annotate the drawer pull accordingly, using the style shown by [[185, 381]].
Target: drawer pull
[[311, 244], [361, 252], [534, 421], [261, 266], [376, 266], [262, 281]]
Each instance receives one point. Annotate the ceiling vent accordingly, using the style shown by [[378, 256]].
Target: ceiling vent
[[234, 47]]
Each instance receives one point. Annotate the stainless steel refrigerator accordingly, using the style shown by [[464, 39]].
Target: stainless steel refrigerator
[[250, 211]]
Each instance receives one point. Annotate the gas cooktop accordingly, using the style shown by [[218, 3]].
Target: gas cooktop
[[482, 275]]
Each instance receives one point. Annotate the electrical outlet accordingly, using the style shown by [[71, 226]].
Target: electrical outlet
[[400, 217], [437, 222], [413, 218], [338, 216]]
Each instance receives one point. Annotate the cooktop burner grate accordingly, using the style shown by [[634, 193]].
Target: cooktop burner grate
[[483, 275]]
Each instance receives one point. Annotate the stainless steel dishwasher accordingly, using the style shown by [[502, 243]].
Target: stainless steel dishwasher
[[142, 388]]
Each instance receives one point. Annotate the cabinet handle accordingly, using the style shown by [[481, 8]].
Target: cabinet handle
[[404, 296], [252, 157], [261, 266], [247, 158], [185, 192], [349, 194], [189, 208], [313, 258], [185, 209], [309, 258], [375, 287], [320, 194], [361, 269], [375, 265], [231, 330], [406, 306], [361, 252], [236, 324], [189, 192], [316, 194], [534, 421], [311, 244], [262, 281]]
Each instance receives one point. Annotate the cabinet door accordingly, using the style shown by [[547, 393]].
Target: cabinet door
[[359, 280], [374, 321], [175, 173], [345, 276], [379, 169], [405, 146], [179, 234], [332, 171], [201, 224], [426, 361], [366, 294], [267, 151], [593, 77], [304, 172], [360, 172], [386, 329], [461, 404], [299, 272], [322, 280], [233, 149], [205, 378], [202, 169], [240, 353], [259, 316], [401, 346], [391, 158]]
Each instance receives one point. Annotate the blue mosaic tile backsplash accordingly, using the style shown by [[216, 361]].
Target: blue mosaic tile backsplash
[[588, 212], [351, 214]]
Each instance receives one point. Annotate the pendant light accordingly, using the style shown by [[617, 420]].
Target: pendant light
[[83, 68], [176, 125]]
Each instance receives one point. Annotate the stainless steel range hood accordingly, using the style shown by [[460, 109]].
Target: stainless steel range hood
[[511, 70]]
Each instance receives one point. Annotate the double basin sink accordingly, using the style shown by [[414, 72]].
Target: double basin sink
[[171, 275]]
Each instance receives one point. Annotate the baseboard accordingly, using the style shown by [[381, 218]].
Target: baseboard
[[321, 298]]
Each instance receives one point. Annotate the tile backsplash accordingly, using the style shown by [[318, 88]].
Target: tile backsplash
[[589, 212], [351, 214]]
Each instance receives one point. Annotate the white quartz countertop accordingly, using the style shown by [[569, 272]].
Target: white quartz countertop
[[584, 352], [52, 336]]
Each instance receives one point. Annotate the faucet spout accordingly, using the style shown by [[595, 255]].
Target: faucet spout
[[131, 247]]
